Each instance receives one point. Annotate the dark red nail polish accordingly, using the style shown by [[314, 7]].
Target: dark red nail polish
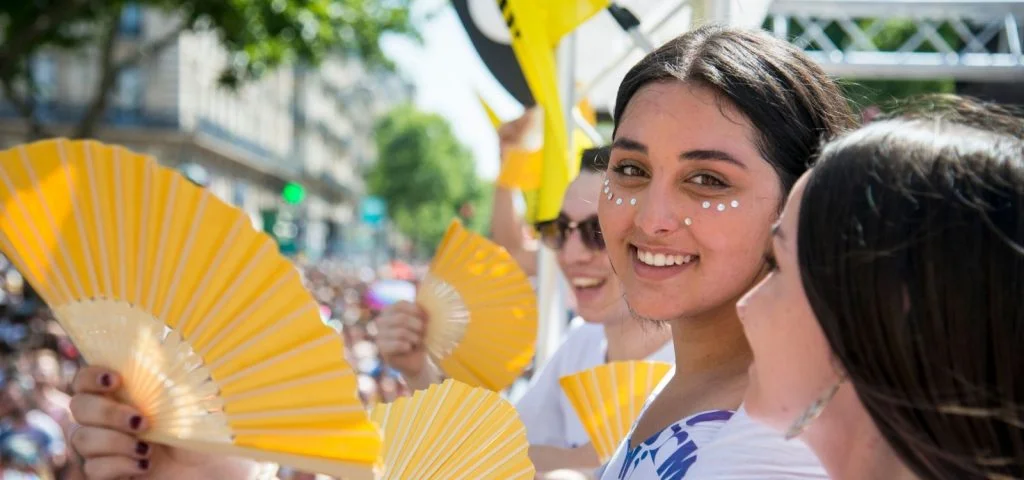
[[135, 422], [105, 380], [143, 464], [141, 448]]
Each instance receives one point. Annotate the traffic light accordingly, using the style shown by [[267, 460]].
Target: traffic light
[[293, 193]]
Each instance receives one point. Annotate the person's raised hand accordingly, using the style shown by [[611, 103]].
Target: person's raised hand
[[401, 330], [513, 135]]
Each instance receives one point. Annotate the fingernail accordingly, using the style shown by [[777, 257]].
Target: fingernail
[[143, 464], [141, 448], [105, 380], [135, 422]]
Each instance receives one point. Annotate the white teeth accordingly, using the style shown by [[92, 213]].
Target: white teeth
[[662, 260], [584, 282]]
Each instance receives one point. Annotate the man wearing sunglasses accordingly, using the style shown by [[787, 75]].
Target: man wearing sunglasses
[[607, 331]]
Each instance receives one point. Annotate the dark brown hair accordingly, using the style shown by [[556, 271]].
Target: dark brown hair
[[787, 97], [911, 251], [594, 159]]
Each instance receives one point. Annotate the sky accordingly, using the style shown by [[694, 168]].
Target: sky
[[448, 74]]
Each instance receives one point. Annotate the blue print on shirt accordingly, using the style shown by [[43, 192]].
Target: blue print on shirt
[[678, 449]]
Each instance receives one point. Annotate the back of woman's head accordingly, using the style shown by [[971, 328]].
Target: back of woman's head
[[787, 97], [911, 251]]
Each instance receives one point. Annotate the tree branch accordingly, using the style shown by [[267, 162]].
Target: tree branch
[[25, 107], [108, 78], [153, 48], [16, 48], [112, 70]]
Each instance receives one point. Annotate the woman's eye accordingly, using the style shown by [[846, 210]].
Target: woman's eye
[[628, 170], [631, 170], [708, 180]]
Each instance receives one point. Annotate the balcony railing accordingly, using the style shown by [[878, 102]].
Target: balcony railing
[[58, 113]]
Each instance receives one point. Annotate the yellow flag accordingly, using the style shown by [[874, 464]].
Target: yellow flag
[[521, 170], [588, 112], [566, 15], [495, 119], [527, 22]]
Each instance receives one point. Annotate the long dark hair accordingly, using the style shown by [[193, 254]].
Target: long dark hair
[[788, 98], [911, 251]]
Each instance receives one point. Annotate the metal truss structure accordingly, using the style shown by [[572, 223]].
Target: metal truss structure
[[967, 40]]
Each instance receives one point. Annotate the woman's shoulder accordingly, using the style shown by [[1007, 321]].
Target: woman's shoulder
[[744, 449], [583, 347]]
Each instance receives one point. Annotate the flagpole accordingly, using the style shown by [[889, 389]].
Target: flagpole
[[552, 289]]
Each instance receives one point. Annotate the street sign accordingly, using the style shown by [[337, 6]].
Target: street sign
[[372, 210]]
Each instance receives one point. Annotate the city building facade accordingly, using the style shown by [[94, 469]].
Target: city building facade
[[307, 127]]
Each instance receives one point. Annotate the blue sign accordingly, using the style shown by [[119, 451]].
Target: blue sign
[[372, 210]]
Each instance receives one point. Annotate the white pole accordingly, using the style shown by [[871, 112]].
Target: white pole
[[552, 290]]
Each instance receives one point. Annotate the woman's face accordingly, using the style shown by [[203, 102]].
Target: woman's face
[[598, 297], [792, 361], [688, 204]]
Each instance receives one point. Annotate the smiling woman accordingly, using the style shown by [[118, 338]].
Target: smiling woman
[[712, 129], [870, 345]]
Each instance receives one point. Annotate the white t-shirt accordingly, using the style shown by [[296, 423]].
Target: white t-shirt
[[716, 444], [544, 409]]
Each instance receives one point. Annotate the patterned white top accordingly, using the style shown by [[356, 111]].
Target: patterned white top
[[716, 444]]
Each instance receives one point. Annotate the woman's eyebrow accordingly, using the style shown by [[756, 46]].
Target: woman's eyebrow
[[629, 144], [711, 155]]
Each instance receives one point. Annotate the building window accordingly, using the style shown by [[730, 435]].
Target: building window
[[129, 94], [44, 72], [131, 20]]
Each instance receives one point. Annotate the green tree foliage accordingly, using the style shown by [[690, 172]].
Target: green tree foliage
[[260, 35], [426, 176], [868, 92]]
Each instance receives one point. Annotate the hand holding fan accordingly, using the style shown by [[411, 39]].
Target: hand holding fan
[[608, 399], [451, 431], [215, 337], [482, 311]]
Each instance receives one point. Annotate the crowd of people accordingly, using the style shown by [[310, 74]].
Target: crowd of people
[[38, 364]]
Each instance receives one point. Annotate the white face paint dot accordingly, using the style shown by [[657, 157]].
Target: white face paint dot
[[706, 204], [618, 201], [606, 189], [735, 203], [632, 201], [609, 196], [688, 221], [721, 207]]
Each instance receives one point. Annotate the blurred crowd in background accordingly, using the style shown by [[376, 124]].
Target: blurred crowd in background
[[39, 361]]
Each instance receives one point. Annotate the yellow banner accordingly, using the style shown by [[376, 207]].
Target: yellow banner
[[491, 115], [527, 21]]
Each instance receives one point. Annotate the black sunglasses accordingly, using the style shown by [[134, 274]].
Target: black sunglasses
[[554, 233]]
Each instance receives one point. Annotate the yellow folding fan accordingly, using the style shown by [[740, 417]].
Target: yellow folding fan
[[217, 340], [482, 310], [608, 399], [453, 431]]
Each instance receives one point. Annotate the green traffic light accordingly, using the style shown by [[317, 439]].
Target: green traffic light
[[293, 193]]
